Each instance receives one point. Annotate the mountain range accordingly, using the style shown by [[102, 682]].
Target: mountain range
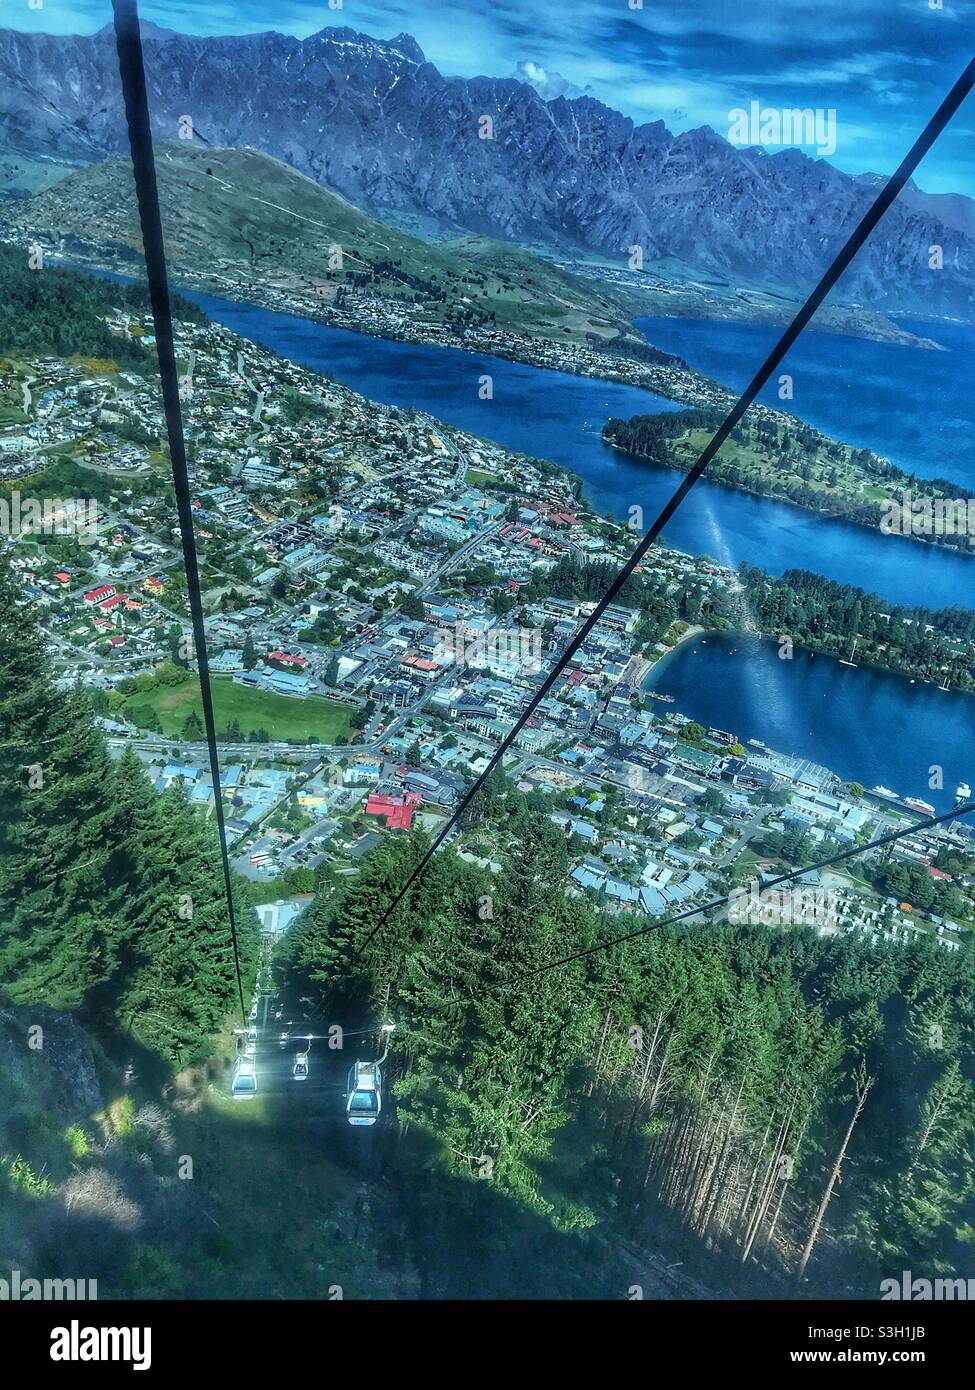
[[236, 219], [376, 122]]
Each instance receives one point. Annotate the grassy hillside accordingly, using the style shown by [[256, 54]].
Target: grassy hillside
[[93, 1182], [280, 1202], [20, 175], [234, 217]]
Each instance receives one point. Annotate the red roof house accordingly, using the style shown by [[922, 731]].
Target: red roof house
[[398, 810], [103, 591]]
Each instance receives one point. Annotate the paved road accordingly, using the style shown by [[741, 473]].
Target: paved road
[[458, 557], [748, 830]]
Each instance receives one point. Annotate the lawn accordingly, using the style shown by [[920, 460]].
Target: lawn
[[283, 716], [777, 464], [476, 477]]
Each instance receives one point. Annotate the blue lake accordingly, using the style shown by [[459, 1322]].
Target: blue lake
[[912, 404], [875, 727], [869, 725], [557, 416]]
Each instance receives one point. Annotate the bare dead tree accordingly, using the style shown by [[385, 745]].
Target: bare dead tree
[[863, 1085]]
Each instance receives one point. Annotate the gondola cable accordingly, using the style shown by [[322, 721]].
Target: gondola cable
[[831, 276], [607, 945], [132, 72]]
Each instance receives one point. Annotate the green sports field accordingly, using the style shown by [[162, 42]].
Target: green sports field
[[283, 716]]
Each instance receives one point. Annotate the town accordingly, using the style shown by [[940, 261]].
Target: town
[[380, 606], [383, 312]]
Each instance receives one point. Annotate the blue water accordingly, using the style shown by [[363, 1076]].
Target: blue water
[[875, 727], [868, 725], [913, 405], [557, 416]]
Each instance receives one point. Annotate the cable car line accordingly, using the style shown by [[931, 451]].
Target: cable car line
[[829, 279], [963, 810], [132, 71]]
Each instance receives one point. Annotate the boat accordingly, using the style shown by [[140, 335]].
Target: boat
[[656, 695], [885, 792], [916, 804], [963, 792]]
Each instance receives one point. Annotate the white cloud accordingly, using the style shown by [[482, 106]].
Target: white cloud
[[547, 84]]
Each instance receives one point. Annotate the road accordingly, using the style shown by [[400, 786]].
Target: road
[[459, 556], [748, 830], [259, 392]]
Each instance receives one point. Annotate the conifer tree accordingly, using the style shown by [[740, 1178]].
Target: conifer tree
[[111, 896], [62, 875]]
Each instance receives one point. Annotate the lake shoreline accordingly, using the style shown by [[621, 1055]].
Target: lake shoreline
[[685, 385], [859, 723], [559, 417], [646, 665], [785, 501]]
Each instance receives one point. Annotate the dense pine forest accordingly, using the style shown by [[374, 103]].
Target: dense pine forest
[[794, 1108], [111, 900], [778, 1109], [60, 312], [783, 1110], [815, 612], [933, 644]]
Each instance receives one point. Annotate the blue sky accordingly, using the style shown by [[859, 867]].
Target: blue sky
[[882, 64]]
